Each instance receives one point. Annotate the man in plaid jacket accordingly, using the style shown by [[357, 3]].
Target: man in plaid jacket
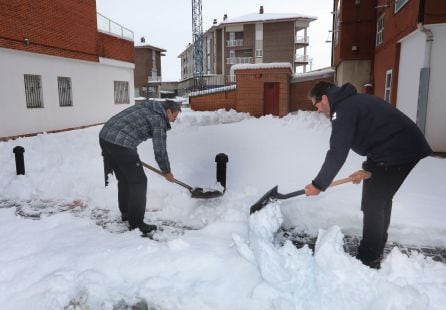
[[119, 139]]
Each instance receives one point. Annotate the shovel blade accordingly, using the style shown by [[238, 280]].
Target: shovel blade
[[262, 202], [198, 192]]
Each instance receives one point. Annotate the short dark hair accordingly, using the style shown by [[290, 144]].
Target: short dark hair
[[321, 88], [172, 105]]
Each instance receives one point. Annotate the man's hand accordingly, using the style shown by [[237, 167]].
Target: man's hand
[[311, 190], [360, 175], [169, 177]]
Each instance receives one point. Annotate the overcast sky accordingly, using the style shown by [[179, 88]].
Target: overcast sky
[[167, 24]]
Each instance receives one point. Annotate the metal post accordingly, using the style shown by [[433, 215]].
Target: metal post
[[221, 160], [19, 160]]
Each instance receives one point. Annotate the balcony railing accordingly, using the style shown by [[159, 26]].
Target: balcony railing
[[154, 79], [239, 60], [108, 26], [302, 39], [232, 43], [301, 58]]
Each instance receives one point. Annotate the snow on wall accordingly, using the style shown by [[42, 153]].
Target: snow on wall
[[271, 65], [92, 92]]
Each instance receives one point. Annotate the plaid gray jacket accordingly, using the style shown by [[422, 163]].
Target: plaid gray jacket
[[138, 123]]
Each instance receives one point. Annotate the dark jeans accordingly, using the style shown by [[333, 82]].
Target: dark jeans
[[132, 182], [377, 195]]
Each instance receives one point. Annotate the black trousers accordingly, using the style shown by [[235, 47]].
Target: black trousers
[[132, 181], [377, 195]]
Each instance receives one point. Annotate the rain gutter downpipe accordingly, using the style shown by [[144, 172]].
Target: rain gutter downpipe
[[423, 90]]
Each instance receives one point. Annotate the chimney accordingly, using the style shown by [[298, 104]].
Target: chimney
[[225, 17], [261, 9], [215, 21], [143, 40]]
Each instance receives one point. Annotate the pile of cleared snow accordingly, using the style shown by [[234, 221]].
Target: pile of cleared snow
[[206, 118]]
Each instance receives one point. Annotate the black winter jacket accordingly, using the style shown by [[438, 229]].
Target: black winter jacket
[[371, 127]]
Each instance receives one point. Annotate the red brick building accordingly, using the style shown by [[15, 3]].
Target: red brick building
[[263, 89], [148, 76], [394, 50], [61, 66]]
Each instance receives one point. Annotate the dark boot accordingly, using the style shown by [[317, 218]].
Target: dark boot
[[145, 228], [372, 263]]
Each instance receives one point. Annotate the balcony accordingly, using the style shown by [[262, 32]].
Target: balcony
[[301, 58], [302, 40], [239, 60], [154, 79], [233, 43], [108, 26]]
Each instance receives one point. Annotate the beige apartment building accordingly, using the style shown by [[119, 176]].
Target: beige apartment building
[[249, 39]]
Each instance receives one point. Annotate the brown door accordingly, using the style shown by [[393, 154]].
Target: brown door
[[271, 98]]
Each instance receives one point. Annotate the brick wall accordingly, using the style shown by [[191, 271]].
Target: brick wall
[[299, 94], [278, 42], [250, 89], [143, 61], [65, 28], [109, 46], [212, 102]]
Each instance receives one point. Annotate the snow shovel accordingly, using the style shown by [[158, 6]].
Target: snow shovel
[[273, 194], [197, 192]]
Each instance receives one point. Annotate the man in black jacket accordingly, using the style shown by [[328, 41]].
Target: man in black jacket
[[392, 143], [119, 139]]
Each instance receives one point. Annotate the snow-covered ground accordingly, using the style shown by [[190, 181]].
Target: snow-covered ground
[[65, 260]]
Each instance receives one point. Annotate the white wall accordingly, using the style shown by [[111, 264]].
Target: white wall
[[92, 89], [411, 61]]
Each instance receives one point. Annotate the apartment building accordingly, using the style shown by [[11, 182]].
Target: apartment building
[[147, 75], [62, 65], [395, 49], [250, 39]]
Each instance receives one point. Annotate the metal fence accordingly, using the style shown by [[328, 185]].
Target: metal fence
[[107, 25]]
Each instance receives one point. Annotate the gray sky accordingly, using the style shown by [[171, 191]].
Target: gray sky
[[168, 23]]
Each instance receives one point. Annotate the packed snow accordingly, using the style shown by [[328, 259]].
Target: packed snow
[[229, 260]]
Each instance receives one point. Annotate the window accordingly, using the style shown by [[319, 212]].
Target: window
[[259, 53], [380, 30], [388, 85], [65, 96], [399, 4], [33, 91], [121, 92]]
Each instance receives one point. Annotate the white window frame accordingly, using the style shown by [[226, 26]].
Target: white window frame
[[380, 30], [388, 85], [399, 4], [259, 53], [121, 92], [33, 91], [65, 91]]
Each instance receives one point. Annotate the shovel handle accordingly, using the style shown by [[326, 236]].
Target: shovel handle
[[361, 175], [162, 174]]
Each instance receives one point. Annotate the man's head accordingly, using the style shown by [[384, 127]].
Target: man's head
[[318, 96], [172, 108]]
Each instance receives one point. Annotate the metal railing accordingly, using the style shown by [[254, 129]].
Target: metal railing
[[238, 42], [301, 58], [154, 79], [108, 26], [239, 60], [302, 39]]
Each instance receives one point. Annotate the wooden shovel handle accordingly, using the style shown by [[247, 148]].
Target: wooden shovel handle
[[362, 175]]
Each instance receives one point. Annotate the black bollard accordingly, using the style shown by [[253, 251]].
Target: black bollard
[[221, 160], [19, 161]]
